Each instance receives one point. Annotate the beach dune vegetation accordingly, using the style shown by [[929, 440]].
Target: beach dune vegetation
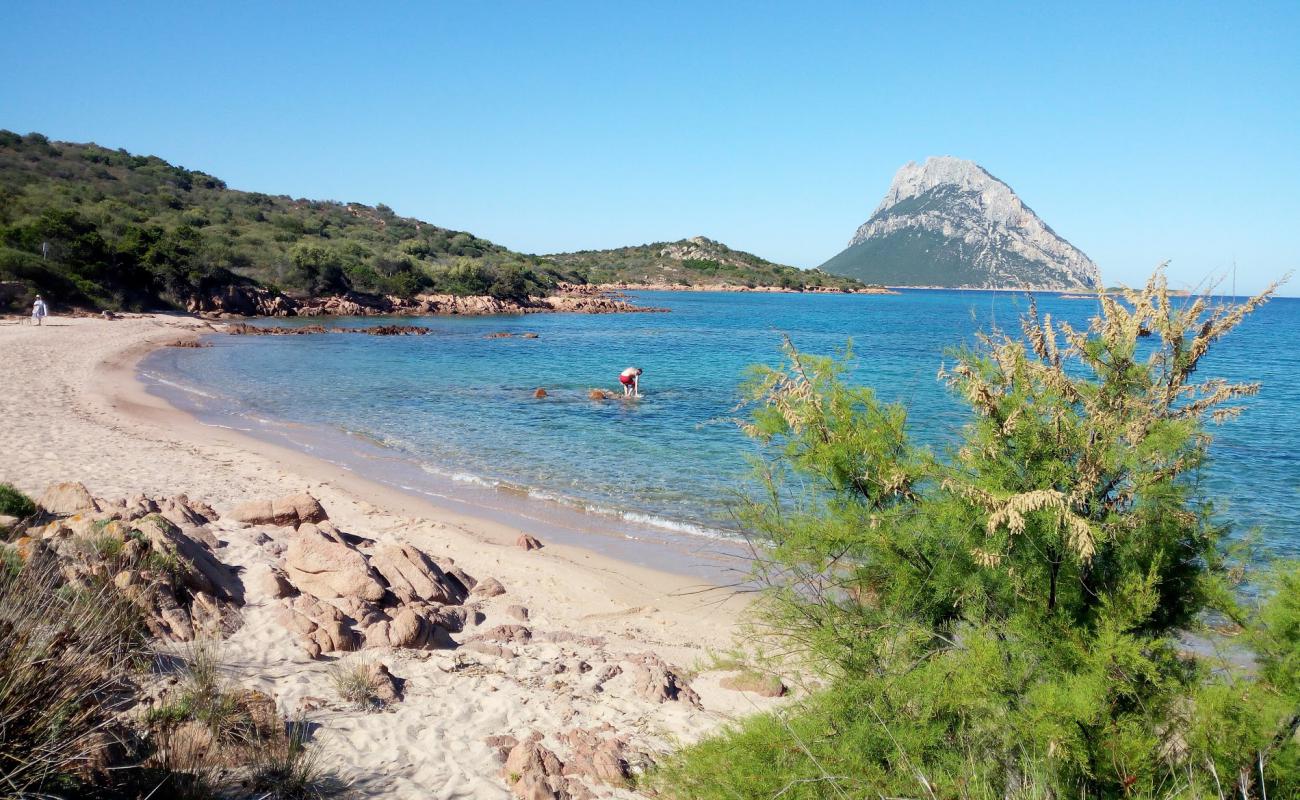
[[1034, 613]]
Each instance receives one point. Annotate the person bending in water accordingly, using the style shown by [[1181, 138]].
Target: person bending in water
[[631, 380]]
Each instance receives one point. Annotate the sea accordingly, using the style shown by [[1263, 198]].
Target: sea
[[452, 415]]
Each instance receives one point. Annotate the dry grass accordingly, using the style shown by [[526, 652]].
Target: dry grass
[[65, 654], [290, 768], [355, 685]]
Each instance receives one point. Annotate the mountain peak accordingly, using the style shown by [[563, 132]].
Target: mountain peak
[[997, 202], [949, 222]]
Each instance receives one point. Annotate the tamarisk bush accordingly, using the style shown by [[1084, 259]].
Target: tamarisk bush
[[1009, 618]]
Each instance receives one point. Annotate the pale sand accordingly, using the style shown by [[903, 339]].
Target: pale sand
[[71, 409]]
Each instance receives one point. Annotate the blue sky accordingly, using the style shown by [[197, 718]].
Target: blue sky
[[1141, 132]]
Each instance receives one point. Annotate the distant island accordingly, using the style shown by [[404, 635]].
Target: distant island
[[948, 223], [98, 229], [701, 264]]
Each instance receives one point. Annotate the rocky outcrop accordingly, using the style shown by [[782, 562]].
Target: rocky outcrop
[[533, 772], [488, 587], [321, 627], [948, 222], [320, 563], [66, 498], [248, 301], [338, 596], [602, 756], [655, 680], [388, 687], [416, 627], [168, 571], [289, 510], [412, 575], [245, 301], [508, 634], [597, 757]]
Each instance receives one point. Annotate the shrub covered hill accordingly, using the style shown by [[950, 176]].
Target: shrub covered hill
[[695, 263], [96, 228], [101, 228]]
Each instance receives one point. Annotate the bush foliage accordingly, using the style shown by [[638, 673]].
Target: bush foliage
[[14, 503], [1009, 619]]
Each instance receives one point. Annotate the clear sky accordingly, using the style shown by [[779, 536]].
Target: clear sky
[[1141, 132]]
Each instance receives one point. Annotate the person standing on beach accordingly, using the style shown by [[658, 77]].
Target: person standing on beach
[[631, 380], [39, 310]]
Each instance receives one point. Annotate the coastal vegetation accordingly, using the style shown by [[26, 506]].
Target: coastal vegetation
[[1049, 609], [14, 503], [698, 261], [99, 228], [96, 228], [85, 709]]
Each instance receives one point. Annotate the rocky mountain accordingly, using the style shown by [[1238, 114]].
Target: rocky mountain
[[697, 262], [949, 223]]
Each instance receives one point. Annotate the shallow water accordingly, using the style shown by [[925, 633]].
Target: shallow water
[[453, 414]]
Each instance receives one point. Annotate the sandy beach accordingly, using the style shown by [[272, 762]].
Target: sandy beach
[[73, 410]]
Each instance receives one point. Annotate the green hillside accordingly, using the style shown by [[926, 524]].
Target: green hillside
[[99, 228], [692, 262]]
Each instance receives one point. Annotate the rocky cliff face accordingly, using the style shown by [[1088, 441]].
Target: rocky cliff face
[[948, 222]]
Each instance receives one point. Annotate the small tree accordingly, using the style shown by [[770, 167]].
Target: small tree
[[1002, 620], [318, 269], [512, 282], [466, 277]]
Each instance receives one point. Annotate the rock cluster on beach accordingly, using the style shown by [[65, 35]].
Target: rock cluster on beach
[[155, 551], [334, 592]]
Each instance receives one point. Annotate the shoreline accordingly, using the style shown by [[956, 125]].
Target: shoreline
[[118, 383], [679, 548], [77, 412]]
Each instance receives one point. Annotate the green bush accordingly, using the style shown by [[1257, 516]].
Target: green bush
[[465, 277], [14, 503], [1003, 620]]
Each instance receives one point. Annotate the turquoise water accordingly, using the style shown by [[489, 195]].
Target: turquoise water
[[458, 408]]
